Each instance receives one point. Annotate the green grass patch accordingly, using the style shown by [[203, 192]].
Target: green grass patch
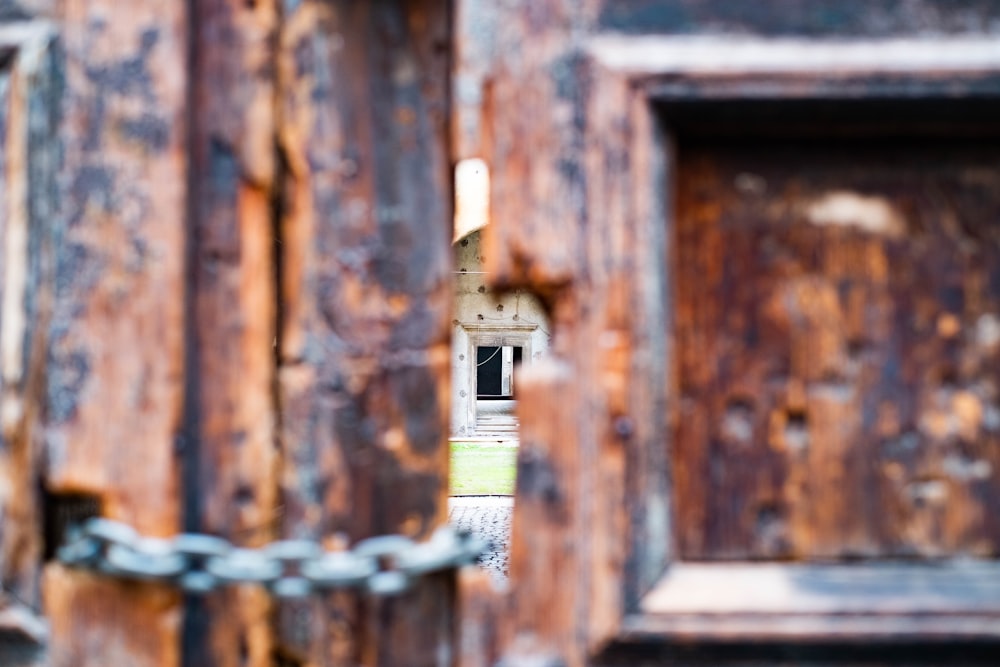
[[482, 469]]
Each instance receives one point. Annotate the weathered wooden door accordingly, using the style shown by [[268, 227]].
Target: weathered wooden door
[[226, 293], [767, 234]]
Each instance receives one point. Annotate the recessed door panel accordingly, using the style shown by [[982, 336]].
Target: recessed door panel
[[837, 326]]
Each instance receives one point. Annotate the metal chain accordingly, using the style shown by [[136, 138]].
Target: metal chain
[[384, 565]]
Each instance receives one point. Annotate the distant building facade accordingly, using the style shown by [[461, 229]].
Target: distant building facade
[[492, 336]]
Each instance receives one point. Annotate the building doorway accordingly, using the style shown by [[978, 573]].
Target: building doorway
[[495, 371], [493, 334], [495, 388]]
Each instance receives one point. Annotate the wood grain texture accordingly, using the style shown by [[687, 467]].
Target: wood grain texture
[[234, 171], [571, 143], [548, 580], [97, 620], [876, 589], [115, 370], [814, 20], [363, 371], [568, 498], [535, 110], [602, 429], [118, 322], [483, 617], [580, 205], [865, 604], [647, 466], [232, 485], [29, 117], [535, 124], [836, 310]]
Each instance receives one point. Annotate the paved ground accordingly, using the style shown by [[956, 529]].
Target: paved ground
[[489, 517]]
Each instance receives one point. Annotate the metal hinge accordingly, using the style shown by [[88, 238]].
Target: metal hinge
[[198, 564]]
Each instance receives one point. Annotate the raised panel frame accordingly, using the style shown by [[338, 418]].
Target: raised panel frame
[[27, 206], [702, 602]]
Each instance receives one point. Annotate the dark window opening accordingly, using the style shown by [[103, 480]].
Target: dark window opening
[[495, 371]]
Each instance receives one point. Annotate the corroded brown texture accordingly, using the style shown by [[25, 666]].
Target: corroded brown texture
[[569, 226], [29, 100], [483, 619], [114, 404], [536, 153], [589, 478], [837, 338], [99, 621], [582, 193], [233, 272], [365, 296], [116, 351], [366, 264], [648, 310], [232, 485], [816, 18], [548, 512]]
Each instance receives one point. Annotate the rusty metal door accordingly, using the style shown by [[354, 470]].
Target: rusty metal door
[[225, 310]]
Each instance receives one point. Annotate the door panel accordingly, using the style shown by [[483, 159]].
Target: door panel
[[365, 297], [247, 335], [249, 322], [806, 307], [231, 463], [120, 265], [836, 315], [115, 376]]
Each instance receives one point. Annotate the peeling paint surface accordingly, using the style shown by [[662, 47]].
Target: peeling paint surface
[[836, 376]]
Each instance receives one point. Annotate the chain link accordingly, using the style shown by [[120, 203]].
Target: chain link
[[198, 564]]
